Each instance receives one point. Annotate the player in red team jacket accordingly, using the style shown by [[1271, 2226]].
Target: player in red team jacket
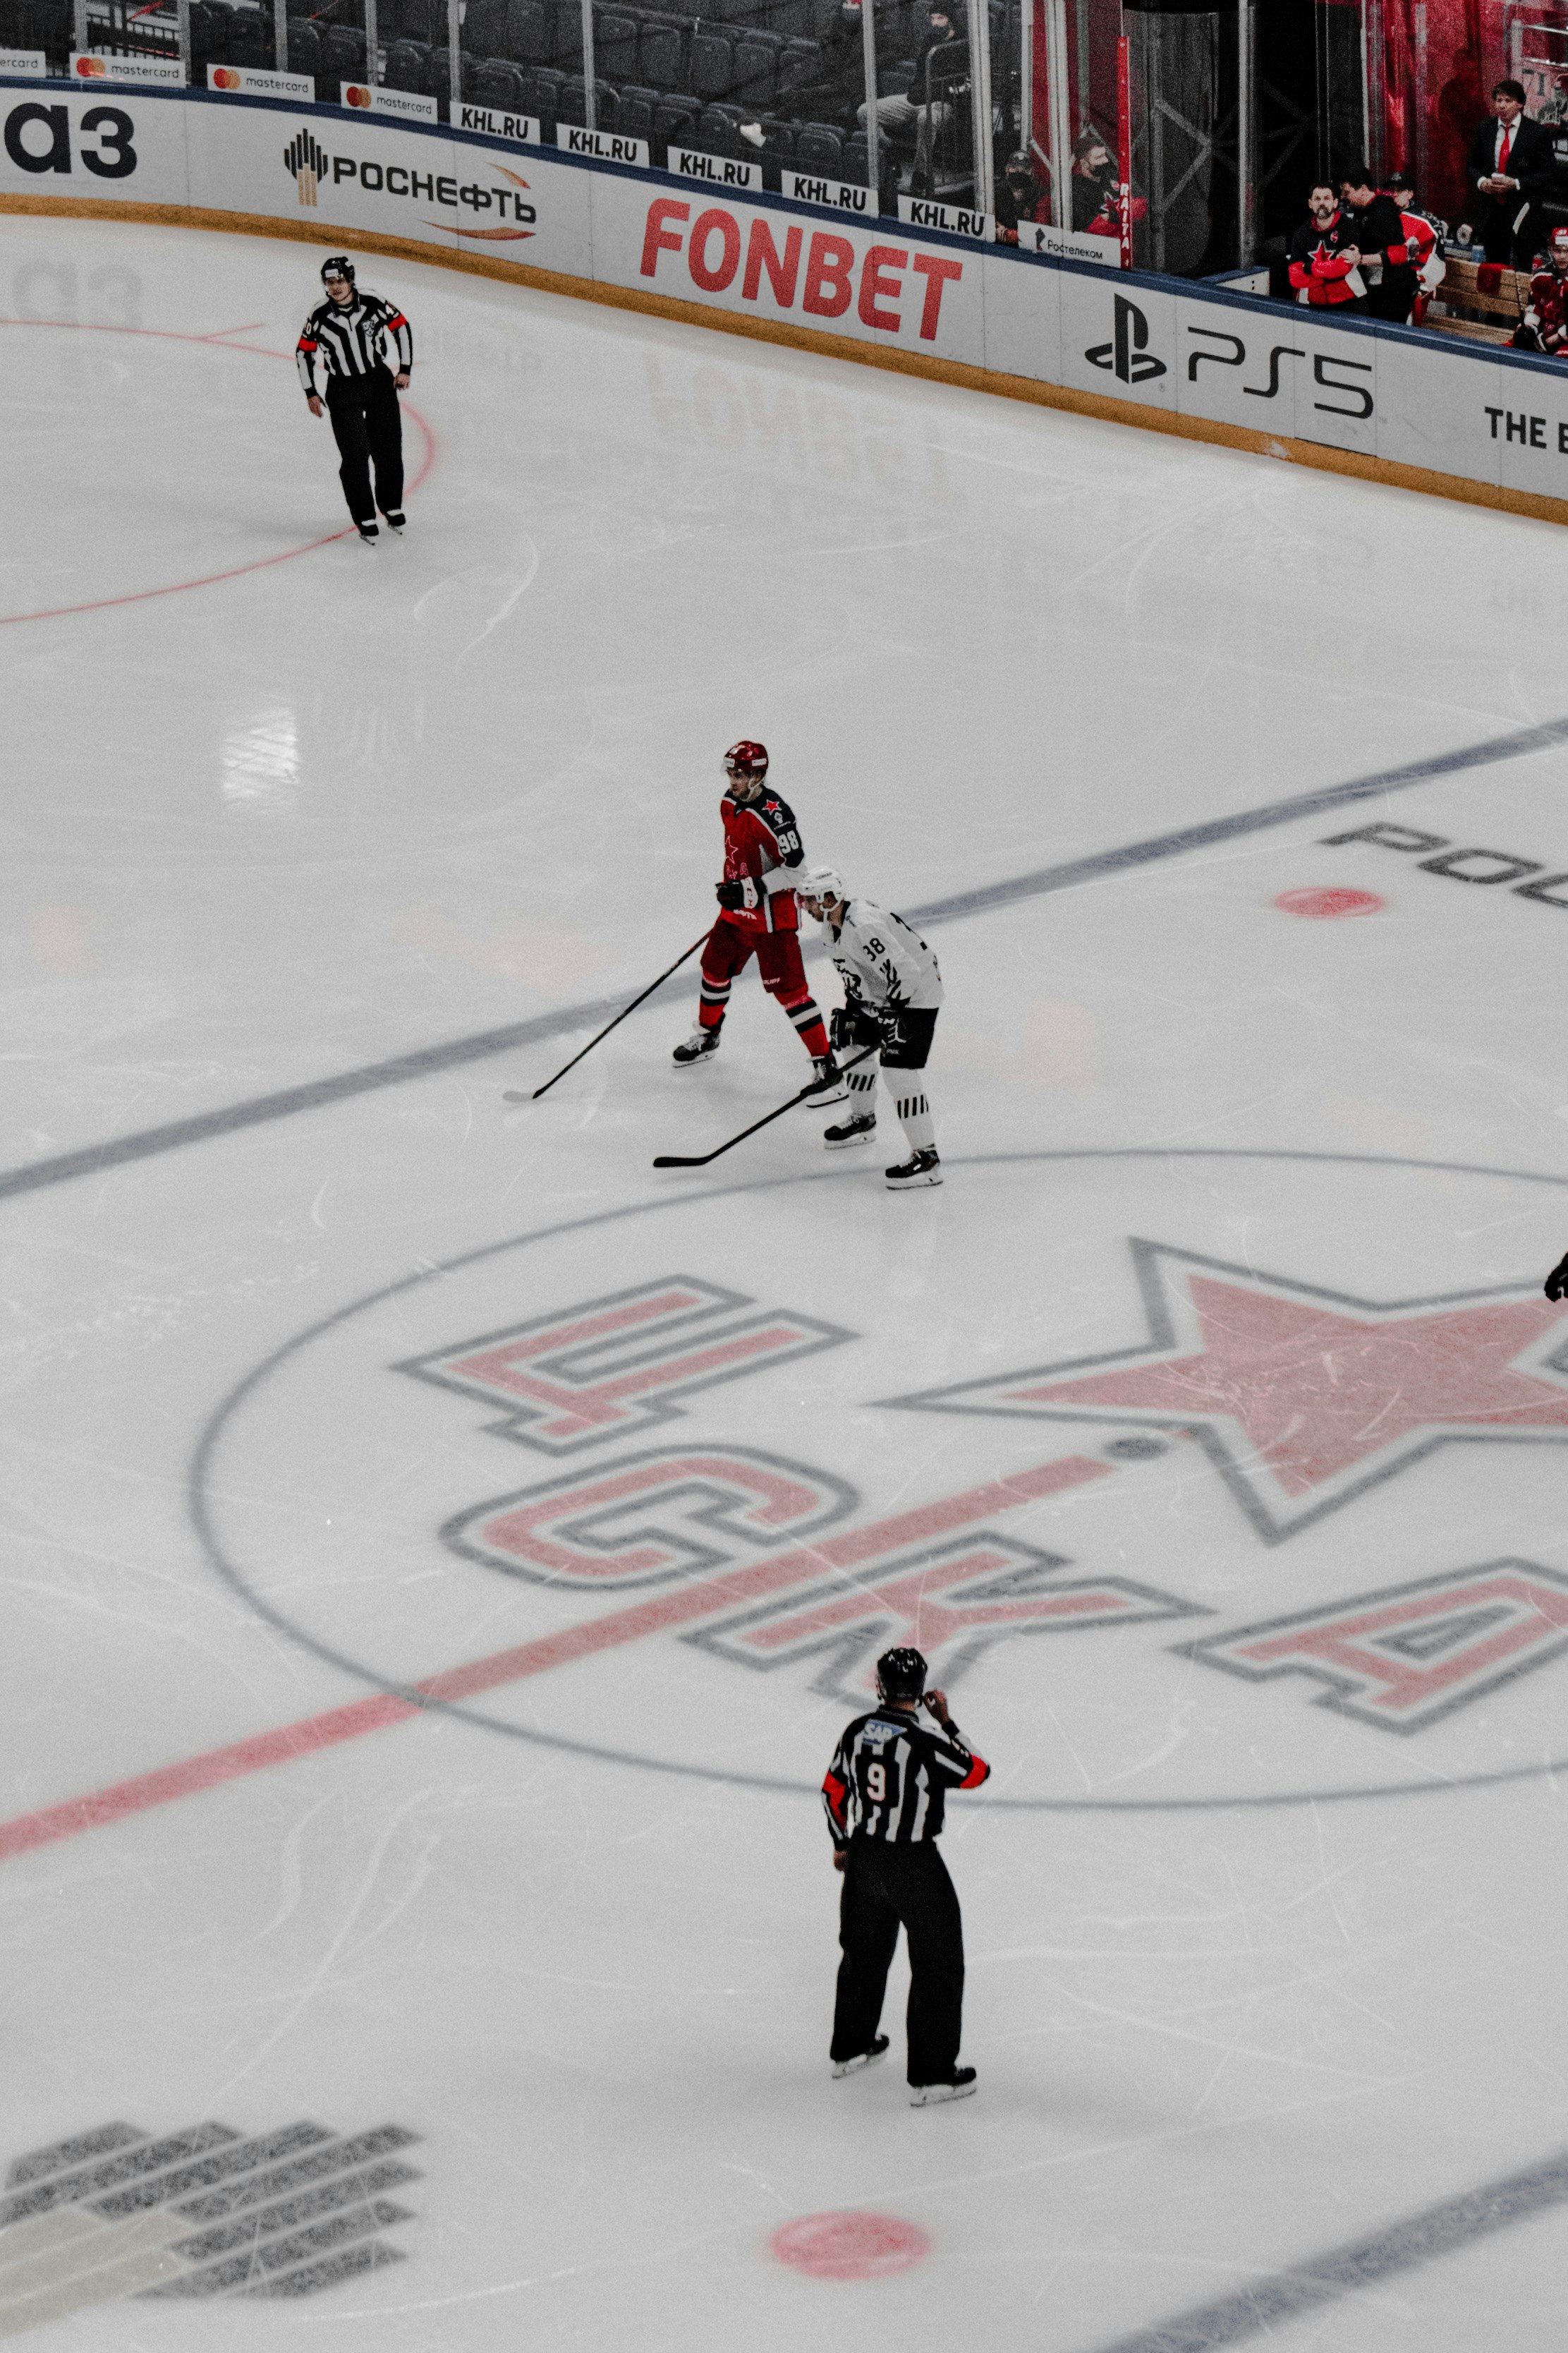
[[884, 1796], [1545, 326], [759, 918]]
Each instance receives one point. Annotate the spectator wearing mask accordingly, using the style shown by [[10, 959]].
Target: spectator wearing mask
[[1509, 169], [1019, 198], [839, 93], [1322, 271], [1425, 239], [1545, 326], [1093, 184], [1377, 246], [942, 79]]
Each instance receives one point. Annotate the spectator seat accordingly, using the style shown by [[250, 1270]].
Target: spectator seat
[[304, 48], [542, 95], [635, 108], [712, 63], [250, 38], [718, 132], [441, 76], [757, 59], [800, 63], [615, 34], [529, 35], [662, 54], [573, 106], [484, 29], [408, 68], [342, 56], [819, 148], [675, 121], [498, 84]]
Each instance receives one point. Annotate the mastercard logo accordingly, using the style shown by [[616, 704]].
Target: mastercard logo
[[356, 94], [224, 78], [88, 67]]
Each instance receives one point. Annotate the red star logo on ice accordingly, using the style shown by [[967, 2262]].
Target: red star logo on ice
[[1303, 1398]]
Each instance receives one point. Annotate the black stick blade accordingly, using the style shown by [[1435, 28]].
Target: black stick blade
[[677, 1160]]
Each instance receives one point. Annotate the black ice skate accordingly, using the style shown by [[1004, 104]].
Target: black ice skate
[[828, 1086], [959, 2086], [370, 532], [864, 2059], [920, 1168], [696, 1049], [395, 521], [859, 1128]]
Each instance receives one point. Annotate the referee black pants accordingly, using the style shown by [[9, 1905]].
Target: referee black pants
[[369, 429], [886, 1886]]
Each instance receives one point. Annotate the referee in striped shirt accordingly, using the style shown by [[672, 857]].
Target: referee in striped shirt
[[884, 1795], [345, 336]]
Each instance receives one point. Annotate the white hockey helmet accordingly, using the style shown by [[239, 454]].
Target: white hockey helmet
[[821, 884]]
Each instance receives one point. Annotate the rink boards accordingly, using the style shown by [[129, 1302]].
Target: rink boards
[[1459, 419]]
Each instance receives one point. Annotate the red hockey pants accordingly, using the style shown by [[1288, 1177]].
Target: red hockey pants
[[731, 948]]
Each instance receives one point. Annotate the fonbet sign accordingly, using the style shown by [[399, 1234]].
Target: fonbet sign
[[1186, 1532], [1222, 362]]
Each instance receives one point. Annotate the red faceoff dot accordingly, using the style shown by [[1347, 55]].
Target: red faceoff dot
[[1323, 903], [850, 2246]]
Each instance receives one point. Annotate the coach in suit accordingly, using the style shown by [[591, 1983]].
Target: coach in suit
[[1510, 168]]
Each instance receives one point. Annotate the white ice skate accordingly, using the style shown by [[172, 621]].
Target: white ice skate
[[863, 2059], [919, 1168], [696, 1049], [959, 2086]]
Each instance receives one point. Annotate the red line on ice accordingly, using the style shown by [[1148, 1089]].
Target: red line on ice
[[655, 1616], [238, 570]]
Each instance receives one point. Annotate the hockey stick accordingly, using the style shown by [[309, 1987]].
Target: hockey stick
[[701, 1159], [604, 1032]]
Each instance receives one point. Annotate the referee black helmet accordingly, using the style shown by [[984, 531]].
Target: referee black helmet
[[337, 265], [901, 1674]]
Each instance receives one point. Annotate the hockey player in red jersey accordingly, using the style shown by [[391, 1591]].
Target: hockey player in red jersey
[[760, 917]]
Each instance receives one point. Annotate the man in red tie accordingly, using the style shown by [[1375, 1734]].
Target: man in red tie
[[1510, 165]]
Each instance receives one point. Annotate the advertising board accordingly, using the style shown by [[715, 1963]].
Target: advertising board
[[1224, 364]]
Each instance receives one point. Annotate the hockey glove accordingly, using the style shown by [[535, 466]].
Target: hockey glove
[[841, 1028], [733, 895]]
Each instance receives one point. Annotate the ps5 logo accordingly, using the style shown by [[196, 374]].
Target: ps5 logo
[[1126, 355]]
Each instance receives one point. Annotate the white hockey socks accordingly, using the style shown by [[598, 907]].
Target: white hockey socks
[[914, 1113], [862, 1083]]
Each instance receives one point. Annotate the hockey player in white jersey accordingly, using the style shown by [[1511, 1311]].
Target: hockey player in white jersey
[[892, 989]]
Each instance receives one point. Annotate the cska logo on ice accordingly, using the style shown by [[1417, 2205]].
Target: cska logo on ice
[[1186, 1525]]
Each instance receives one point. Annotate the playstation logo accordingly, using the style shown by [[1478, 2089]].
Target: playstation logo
[[1125, 354]]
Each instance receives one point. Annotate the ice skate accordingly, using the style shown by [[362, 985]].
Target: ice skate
[[859, 1128], [370, 532], [919, 1168], [863, 2059], [828, 1086], [696, 1049], [394, 523], [959, 2086]]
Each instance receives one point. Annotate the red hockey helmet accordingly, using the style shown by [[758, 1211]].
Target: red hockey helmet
[[746, 759]]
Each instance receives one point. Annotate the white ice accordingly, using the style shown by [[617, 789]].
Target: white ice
[[1250, 1978]]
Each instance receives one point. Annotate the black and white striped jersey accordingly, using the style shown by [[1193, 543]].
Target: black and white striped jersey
[[351, 341], [889, 1778]]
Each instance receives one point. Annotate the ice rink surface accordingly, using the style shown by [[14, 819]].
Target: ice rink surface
[[1206, 1428]]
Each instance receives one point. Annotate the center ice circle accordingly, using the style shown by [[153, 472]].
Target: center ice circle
[[1169, 1606]]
